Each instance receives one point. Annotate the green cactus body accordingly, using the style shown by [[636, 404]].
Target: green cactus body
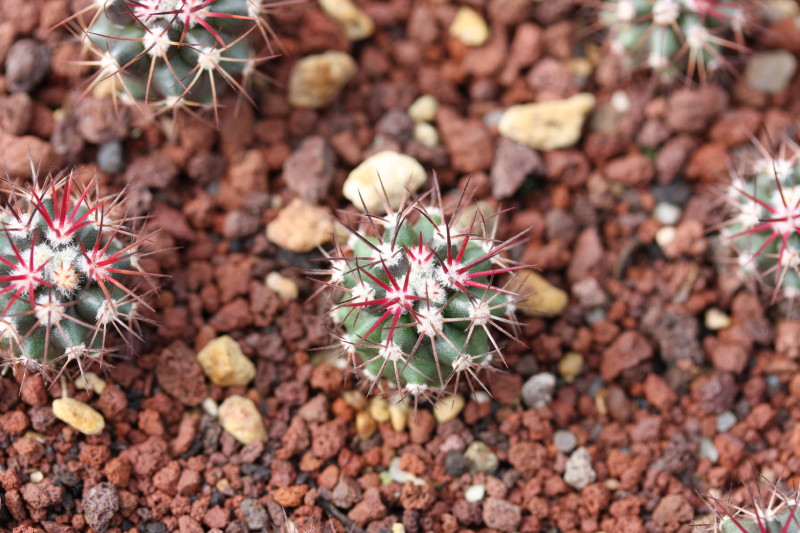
[[419, 306], [764, 227], [673, 36], [63, 272], [785, 521], [176, 51]]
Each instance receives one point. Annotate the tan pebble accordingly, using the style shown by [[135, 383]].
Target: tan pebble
[[398, 527], [79, 416], [426, 134], [448, 408], [716, 319], [239, 416], [379, 409], [398, 414], [543, 299], [570, 366], [424, 108], [316, 80], [469, 27], [300, 227], [355, 399], [365, 425], [547, 125], [95, 382], [284, 287], [385, 174], [225, 364], [357, 25]]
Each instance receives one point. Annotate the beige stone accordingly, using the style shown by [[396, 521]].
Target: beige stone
[[284, 287], [79, 415], [239, 416], [300, 227], [317, 80], [225, 364], [469, 27], [541, 298], [385, 171], [547, 125], [448, 408], [356, 24]]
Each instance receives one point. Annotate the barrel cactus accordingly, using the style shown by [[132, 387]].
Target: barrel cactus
[[176, 52], [764, 229], [778, 514], [418, 299], [675, 36], [65, 272]]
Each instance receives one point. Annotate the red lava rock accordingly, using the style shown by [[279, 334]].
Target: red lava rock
[[166, 479], [14, 422], [787, 341], [527, 457], [187, 524], [328, 439], [328, 477], [708, 163], [180, 375], [327, 378], [118, 471], [513, 163], [150, 422], [728, 357], [234, 315], [112, 402], [588, 251], [468, 142], [369, 509], [627, 351], [552, 78], [672, 512], [100, 503], [731, 449], [30, 450], [41, 495], [486, 60], [501, 515], [421, 425], [505, 388], [596, 498], [692, 109], [290, 496], [346, 493], [94, 455], [417, 497], [658, 392], [17, 153], [188, 483], [33, 391], [187, 431], [673, 156], [216, 517], [633, 169]]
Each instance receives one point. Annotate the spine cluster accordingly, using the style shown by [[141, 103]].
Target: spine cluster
[[419, 303], [65, 268]]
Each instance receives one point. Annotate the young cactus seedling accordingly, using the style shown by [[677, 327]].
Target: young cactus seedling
[[175, 53], [66, 268], [765, 226], [419, 301], [675, 37]]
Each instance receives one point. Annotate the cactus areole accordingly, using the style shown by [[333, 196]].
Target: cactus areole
[[174, 52], [65, 265], [420, 303]]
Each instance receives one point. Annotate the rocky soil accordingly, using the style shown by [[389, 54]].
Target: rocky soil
[[651, 375]]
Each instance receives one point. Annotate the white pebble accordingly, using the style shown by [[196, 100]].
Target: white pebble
[[475, 493], [667, 213]]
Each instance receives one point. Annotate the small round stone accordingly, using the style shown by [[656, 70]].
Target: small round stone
[[239, 416], [284, 287], [564, 440], [316, 80], [716, 319], [379, 409], [481, 458], [469, 27], [570, 366], [398, 415], [424, 108], [365, 425], [448, 408], [387, 172], [79, 416], [225, 364], [537, 391], [667, 213], [426, 134], [475, 493]]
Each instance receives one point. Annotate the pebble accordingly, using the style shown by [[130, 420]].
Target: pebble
[[665, 236], [284, 287], [356, 24], [448, 408], [513, 163], [537, 391], [771, 71], [365, 425], [394, 171], [310, 169], [589, 292], [426, 134], [726, 421], [424, 108], [27, 64], [111, 157], [379, 409], [716, 319], [79, 415], [300, 227], [94, 382], [578, 472], [564, 440], [316, 80], [398, 416], [455, 464], [570, 366], [239, 416], [543, 298], [225, 364], [481, 458], [666, 213], [469, 27], [99, 505], [254, 514], [547, 125], [708, 450], [501, 515], [398, 527], [475, 493]]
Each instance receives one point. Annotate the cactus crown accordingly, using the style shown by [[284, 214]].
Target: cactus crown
[[765, 227], [63, 269], [419, 303], [175, 52], [674, 36], [779, 514]]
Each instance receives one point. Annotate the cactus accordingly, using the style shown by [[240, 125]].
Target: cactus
[[64, 268], [674, 36], [779, 514], [765, 226], [175, 52], [419, 303]]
